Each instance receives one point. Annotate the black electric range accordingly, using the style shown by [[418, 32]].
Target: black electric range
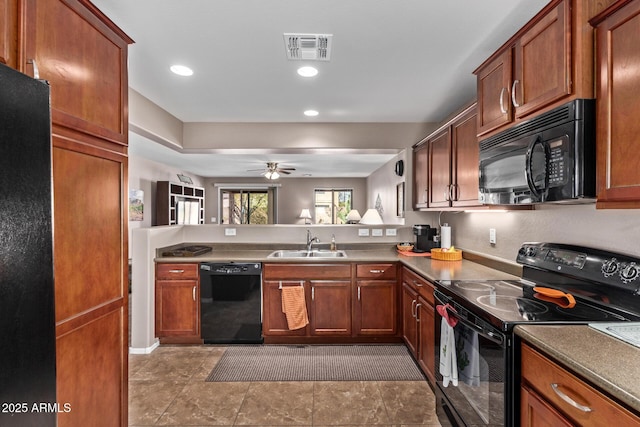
[[602, 286]]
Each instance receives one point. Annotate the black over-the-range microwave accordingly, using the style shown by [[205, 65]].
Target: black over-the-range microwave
[[550, 158]]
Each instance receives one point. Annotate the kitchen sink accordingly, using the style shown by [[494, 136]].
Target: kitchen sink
[[307, 254]]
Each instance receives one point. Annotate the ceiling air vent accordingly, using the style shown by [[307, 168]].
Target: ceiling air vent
[[308, 47]]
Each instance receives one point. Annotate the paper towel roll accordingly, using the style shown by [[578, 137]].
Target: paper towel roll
[[445, 236]]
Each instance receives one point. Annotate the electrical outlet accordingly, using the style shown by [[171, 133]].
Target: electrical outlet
[[377, 232], [363, 232], [391, 232], [229, 231], [492, 236]]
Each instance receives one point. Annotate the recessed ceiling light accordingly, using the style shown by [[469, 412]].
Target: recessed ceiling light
[[311, 113], [308, 71], [181, 70]]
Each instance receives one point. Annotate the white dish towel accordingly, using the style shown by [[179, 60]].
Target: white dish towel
[[448, 364], [468, 353]]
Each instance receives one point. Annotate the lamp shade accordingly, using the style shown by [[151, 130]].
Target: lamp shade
[[353, 216], [371, 217], [304, 213]]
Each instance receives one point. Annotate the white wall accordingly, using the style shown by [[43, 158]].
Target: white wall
[[383, 184]]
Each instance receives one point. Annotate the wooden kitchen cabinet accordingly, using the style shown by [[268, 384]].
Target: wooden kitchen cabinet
[[83, 56], [617, 107], [327, 296], [83, 60], [330, 312], [452, 163], [547, 63], [8, 32], [421, 176], [274, 321], [177, 299], [552, 396], [348, 302], [375, 302], [419, 320]]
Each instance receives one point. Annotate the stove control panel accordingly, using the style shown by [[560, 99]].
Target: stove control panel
[[595, 265]]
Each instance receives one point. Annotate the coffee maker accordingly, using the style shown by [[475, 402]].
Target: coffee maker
[[427, 238]]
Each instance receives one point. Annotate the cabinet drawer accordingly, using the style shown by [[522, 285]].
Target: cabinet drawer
[[306, 271], [420, 284], [176, 271], [552, 381], [376, 271]]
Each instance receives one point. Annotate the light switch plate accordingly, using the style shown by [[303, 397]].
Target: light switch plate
[[229, 231], [492, 236], [363, 232], [377, 232], [391, 232]]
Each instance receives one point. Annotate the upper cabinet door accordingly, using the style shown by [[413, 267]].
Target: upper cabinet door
[[421, 176], [494, 93], [83, 58], [464, 161], [618, 109], [8, 30], [543, 62], [440, 169]]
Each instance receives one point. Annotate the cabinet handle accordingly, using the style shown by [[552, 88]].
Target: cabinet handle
[[415, 282], [176, 271], [358, 293], [502, 109], [313, 293], [376, 271], [417, 313], [452, 192], [36, 72], [413, 305], [446, 192], [556, 388], [194, 293], [513, 93]]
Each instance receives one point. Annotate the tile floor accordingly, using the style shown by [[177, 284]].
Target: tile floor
[[168, 388]]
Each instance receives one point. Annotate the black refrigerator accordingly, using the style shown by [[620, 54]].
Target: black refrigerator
[[27, 321]]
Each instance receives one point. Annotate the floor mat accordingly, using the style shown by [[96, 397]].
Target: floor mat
[[316, 363]]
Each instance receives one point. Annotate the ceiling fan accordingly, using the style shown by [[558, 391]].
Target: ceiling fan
[[273, 171]]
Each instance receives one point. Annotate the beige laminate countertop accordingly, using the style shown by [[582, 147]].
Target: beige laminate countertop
[[606, 362], [425, 266]]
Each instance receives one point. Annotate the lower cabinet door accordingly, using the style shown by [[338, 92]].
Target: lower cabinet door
[[375, 307], [330, 307], [177, 308], [274, 321], [427, 336], [409, 324]]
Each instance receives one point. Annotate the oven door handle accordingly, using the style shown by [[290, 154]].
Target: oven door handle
[[491, 336], [538, 193]]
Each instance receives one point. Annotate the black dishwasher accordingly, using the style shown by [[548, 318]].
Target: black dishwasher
[[231, 303]]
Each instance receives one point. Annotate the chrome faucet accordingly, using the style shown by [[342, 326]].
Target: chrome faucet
[[311, 240]]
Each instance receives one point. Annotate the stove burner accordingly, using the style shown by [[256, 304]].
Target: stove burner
[[475, 286], [586, 313], [509, 304]]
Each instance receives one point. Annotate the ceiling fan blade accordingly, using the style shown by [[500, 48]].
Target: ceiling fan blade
[[286, 169], [255, 170], [284, 172]]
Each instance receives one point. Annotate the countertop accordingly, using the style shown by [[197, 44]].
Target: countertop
[[606, 362], [425, 266]]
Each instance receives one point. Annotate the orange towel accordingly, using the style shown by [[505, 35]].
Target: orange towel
[[294, 307]]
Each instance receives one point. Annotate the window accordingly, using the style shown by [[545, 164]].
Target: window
[[246, 206], [332, 206]]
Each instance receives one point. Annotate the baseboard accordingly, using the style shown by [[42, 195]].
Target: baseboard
[[144, 350]]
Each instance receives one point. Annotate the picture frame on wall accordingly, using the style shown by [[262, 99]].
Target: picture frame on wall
[[136, 205], [400, 200]]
